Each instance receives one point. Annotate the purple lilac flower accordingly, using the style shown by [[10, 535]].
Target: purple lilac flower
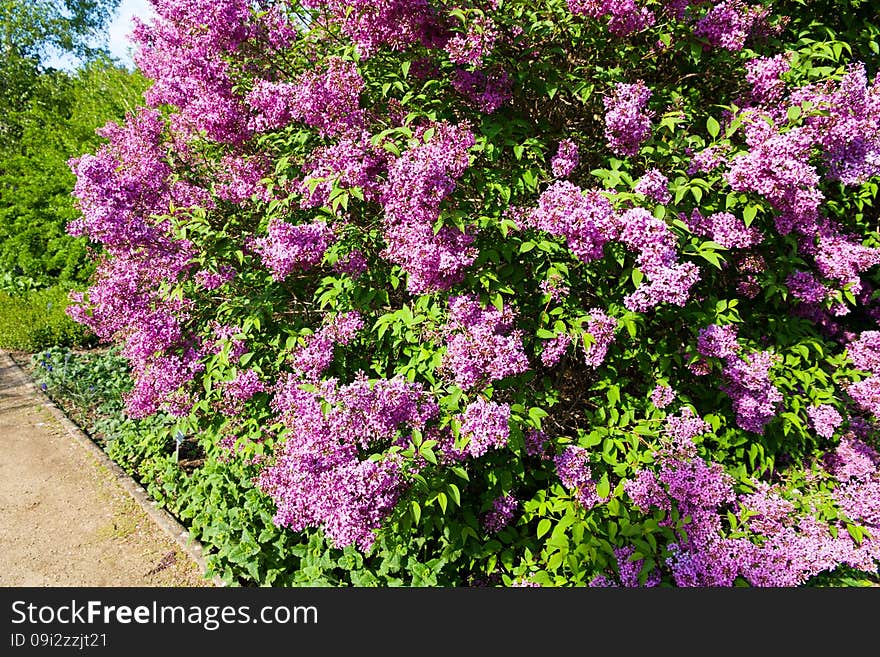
[[566, 159], [753, 395], [852, 459], [537, 443], [554, 288], [729, 23], [825, 419], [485, 426], [573, 469], [806, 287], [654, 185], [764, 74], [318, 478], [723, 228], [244, 386], [501, 514], [486, 90], [417, 183], [601, 329], [395, 24], [705, 161], [477, 43], [716, 341], [555, 349], [587, 222], [685, 426], [314, 357], [328, 100], [662, 395], [288, 248], [865, 352], [669, 280], [481, 345], [627, 123]]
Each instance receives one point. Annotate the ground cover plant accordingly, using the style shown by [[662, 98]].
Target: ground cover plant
[[504, 293]]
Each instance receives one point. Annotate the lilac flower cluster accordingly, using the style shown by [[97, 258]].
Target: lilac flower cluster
[[485, 425], [865, 351], [473, 46], [662, 395], [724, 228], [487, 90], [239, 179], [825, 419], [706, 160], [573, 469], [125, 182], [587, 222], [806, 287], [481, 344], [287, 248], [625, 17], [503, 509], [843, 124], [655, 186], [627, 122], [669, 280], [244, 386], [566, 159], [846, 125], [184, 51], [354, 263], [350, 162], [716, 341], [318, 478], [537, 444], [852, 459], [271, 104], [211, 280], [329, 100], [777, 167], [554, 288], [121, 190], [600, 327], [685, 426], [865, 355], [765, 76], [729, 23], [371, 24], [315, 356], [554, 349], [418, 181], [753, 395], [628, 570]]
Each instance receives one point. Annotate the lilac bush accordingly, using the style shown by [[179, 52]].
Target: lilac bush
[[573, 293]]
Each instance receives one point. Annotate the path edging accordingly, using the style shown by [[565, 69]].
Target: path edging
[[168, 523]]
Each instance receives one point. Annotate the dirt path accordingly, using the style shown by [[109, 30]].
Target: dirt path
[[65, 519]]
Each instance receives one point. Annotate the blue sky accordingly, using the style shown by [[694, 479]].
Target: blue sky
[[121, 27], [117, 34]]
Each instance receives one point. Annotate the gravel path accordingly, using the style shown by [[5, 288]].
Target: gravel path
[[66, 518]]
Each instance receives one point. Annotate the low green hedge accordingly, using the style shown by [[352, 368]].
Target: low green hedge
[[35, 319]]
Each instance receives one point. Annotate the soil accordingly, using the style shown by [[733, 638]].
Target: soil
[[64, 519]]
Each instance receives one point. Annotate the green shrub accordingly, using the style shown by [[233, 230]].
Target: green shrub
[[33, 320]]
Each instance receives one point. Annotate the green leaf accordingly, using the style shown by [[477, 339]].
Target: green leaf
[[454, 493], [603, 488], [544, 527], [713, 126]]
